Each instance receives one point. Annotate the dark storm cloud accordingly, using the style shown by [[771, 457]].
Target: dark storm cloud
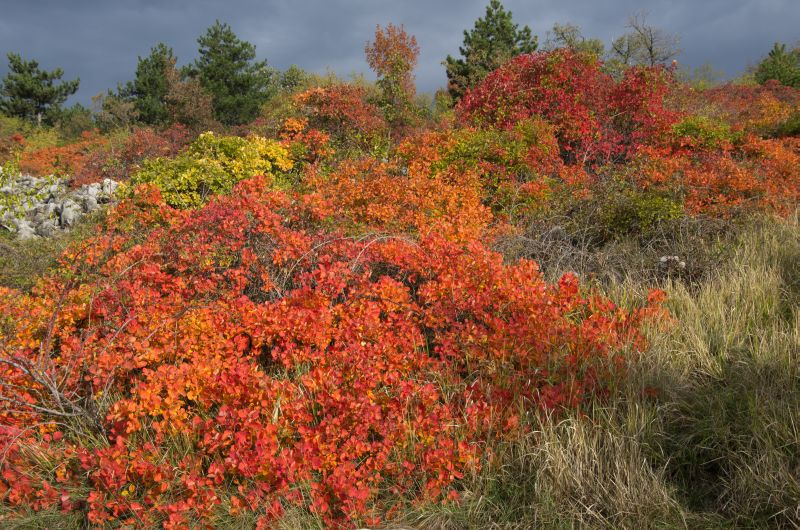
[[100, 41]]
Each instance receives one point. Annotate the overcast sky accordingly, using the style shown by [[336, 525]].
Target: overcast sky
[[99, 41]]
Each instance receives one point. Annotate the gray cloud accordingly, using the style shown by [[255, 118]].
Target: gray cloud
[[99, 41]]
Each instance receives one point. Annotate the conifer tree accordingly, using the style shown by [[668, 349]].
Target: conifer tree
[[149, 89], [494, 40], [780, 65], [34, 94], [227, 70]]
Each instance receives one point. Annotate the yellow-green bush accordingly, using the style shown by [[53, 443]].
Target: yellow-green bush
[[213, 164], [11, 125], [705, 132]]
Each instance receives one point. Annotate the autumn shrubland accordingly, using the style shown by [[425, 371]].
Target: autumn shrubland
[[569, 301]]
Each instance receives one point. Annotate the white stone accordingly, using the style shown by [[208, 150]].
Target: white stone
[[109, 186]]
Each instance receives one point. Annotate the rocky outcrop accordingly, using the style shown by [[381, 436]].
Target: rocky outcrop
[[35, 207]]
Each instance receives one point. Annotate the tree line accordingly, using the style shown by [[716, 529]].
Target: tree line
[[226, 85]]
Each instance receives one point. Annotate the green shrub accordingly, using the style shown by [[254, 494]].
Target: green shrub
[[790, 127], [210, 165], [633, 212], [12, 125], [704, 132]]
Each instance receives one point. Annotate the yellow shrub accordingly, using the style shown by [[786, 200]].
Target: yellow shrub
[[213, 164]]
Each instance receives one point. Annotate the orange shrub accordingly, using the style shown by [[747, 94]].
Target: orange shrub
[[67, 159], [757, 175], [120, 161], [757, 109], [367, 194], [250, 360]]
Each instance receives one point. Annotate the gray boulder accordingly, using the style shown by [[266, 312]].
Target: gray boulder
[[47, 206], [25, 231], [91, 190], [70, 212], [90, 204], [47, 228]]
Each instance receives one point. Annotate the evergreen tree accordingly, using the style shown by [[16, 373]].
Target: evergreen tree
[[227, 70], [780, 65], [34, 94], [292, 78], [149, 89], [494, 40]]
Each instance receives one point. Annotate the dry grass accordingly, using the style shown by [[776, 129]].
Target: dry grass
[[22, 263], [718, 446]]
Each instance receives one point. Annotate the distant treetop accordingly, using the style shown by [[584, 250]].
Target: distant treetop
[[781, 65], [494, 40]]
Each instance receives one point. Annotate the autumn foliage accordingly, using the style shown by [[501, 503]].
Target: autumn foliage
[[64, 160], [343, 112], [118, 160], [283, 355], [596, 118], [393, 55], [318, 322]]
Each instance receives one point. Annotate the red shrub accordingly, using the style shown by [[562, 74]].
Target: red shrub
[[250, 357], [595, 118], [344, 112], [118, 162]]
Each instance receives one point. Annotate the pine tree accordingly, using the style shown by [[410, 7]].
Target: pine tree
[[34, 94], [149, 89], [227, 70], [494, 40], [780, 65]]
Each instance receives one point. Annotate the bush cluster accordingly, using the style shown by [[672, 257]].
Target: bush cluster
[[212, 164]]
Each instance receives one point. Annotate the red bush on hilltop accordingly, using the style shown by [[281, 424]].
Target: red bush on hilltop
[[596, 119]]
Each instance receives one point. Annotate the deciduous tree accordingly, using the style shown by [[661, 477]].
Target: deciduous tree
[[643, 45], [187, 103], [393, 55], [570, 36]]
